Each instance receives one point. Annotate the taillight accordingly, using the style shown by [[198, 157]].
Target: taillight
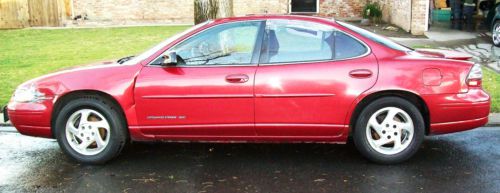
[[474, 79]]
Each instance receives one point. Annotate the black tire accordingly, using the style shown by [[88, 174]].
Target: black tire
[[360, 129], [117, 123], [493, 36]]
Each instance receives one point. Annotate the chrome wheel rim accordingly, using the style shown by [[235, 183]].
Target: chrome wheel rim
[[496, 34], [87, 132], [390, 130]]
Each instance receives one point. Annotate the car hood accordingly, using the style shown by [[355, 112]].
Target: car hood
[[90, 65], [93, 69]]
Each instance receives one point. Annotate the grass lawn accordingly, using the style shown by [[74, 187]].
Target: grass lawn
[[491, 83], [29, 53]]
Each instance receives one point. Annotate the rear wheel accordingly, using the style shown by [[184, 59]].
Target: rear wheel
[[389, 130], [495, 33], [90, 130]]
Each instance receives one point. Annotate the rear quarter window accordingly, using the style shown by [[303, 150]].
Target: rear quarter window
[[347, 47]]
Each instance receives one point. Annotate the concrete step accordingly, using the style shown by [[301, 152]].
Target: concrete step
[[494, 119]]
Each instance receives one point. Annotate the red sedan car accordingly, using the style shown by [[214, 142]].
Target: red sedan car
[[269, 78]]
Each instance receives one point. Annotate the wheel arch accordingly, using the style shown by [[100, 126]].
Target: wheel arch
[[64, 99], [493, 21], [407, 95]]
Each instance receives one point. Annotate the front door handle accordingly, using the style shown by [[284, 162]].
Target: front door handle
[[237, 78], [360, 73]]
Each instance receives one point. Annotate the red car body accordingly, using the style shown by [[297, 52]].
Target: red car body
[[314, 101]]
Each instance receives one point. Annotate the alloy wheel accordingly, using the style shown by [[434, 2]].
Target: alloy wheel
[[87, 132], [496, 34], [390, 130]]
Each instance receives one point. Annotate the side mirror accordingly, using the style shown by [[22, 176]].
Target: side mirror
[[169, 59]]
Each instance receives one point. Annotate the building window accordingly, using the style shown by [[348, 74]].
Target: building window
[[304, 6]]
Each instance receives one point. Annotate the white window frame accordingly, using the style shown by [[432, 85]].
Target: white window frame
[[290, 7]]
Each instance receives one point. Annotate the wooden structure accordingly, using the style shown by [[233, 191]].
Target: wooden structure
[[27, 13]]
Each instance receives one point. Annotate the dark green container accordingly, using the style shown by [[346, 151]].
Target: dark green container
[[441, 15]]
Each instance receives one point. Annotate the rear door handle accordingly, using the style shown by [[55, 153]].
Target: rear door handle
[[237, 78], [360, 73]]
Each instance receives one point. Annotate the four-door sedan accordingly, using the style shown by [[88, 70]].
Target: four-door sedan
[[269, 78]]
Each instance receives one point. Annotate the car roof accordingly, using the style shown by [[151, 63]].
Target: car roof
[[275, 16]]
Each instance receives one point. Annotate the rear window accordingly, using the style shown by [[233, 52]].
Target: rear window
[[376, 38]]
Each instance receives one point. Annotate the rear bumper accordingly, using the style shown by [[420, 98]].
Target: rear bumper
[[31, 119], [451, 127], [458, 112]]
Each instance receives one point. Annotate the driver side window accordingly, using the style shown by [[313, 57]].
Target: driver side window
[[226, 44]]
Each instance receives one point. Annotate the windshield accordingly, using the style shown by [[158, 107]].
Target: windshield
[[156, 48], [377, 38]]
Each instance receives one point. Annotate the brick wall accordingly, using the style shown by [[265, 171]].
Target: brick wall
[[327, 8], [244, 7], [341, 8], [131, 12]]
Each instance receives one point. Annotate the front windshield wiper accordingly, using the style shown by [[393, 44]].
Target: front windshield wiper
[[123, 60]]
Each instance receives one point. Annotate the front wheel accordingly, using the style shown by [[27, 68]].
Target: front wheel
[[389, 130], [90, 130]]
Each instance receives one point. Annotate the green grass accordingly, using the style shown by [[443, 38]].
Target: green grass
[[29, 53], [491, 83], [422, 46]]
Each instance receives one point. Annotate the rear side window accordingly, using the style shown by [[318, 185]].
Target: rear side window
[[347, 47], [297, 41], [374, 37], [289, 41]]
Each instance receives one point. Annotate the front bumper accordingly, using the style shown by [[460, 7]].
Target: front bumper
[[31, 119]]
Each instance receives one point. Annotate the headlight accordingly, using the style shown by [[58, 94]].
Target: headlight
[[28, 93]]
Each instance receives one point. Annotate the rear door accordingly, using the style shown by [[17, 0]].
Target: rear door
[[309, 75]]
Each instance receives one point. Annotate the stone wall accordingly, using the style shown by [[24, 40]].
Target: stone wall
[[396, 12], [132, 12], [419, 16], [410, 15]]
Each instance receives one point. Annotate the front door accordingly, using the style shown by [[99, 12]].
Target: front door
[[309, 75], [210, 89]]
